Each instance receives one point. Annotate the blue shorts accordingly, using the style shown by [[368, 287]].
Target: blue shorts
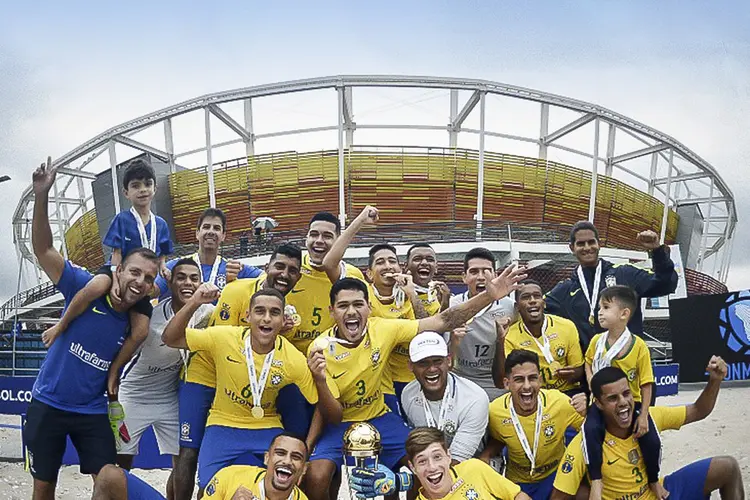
[[225, 446], [295, 412], [391, 401], [393, 434], [195, 401], [688, 483], [138, 489], [541, 490]]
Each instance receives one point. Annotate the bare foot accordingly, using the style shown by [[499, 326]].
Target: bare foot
[[50, 334], [658, 490]]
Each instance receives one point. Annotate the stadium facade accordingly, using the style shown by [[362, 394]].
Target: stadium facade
[[505, 167]]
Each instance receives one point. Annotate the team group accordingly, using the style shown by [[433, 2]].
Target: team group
[[251, 378]]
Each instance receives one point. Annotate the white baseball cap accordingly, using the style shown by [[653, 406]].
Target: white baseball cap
[[427, 344]]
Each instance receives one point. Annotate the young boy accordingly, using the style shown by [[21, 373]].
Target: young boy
[[137, 227], [618, 347]]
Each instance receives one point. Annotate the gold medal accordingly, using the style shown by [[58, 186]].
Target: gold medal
[[321, 343], [592, 322], [554, 366], [257, 412]]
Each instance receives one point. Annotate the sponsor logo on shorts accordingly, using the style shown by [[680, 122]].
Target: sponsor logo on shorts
[[185, 432]]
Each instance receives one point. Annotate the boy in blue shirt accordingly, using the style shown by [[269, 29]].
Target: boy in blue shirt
[[68, 398], [134, 228]]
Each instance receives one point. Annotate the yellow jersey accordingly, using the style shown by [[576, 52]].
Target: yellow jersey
[[557, 415], [399, 362], [311, 298], [233, 401], [623, 470], [230, 481], [431, 306], [636, 363], [475, 480], [564, 343], [358, 371], [231, 309]]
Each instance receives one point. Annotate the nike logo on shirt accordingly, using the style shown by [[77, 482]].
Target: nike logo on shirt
[[339, 375], [233, 360], [298, 291], [573, 293], [97, 311], [610, 462]]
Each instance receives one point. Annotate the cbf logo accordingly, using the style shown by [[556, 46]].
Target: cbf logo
[[734, 322]]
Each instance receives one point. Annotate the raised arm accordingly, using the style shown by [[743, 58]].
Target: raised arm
[[497, 288], [662, 279], [49, 259], [174, 333], [332, 260], [704, 405]]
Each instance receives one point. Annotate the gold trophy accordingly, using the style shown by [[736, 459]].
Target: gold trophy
[[362, 443]]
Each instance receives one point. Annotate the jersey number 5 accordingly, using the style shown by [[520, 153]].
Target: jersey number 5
[[316, 316]]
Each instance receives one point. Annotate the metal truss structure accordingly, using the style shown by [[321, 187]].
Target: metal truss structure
[[644, 157]]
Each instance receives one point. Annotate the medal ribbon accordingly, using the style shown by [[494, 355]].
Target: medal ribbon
[[447, 402], [257, 385], [214, 268], [262, 489], [602, 357], [594, 295], [531, 454], [544, 346], [149, 243]]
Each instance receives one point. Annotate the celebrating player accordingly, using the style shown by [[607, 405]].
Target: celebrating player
[[474, 350], [285, 463], [252, 364], [150, 381], [392, 295], [199, 387], [440, 399], [310, 296], [554, 339], [211, 231], [624, 475], [577, 297], [68, 395], [357, 351], [422, 264], [530, 422]]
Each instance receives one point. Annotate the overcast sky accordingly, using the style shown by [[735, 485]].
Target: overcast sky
[[68, 72]]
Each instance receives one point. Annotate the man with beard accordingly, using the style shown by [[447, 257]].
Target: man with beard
[[392, 295], [554, 339], [531, 422], [199, 388], [624, 471], [440, 399], [252, 364], [148, 392], [310, 296], [210, 233], [474, 350], [356, 352], [68, 398], [285, 463], [577, 298]]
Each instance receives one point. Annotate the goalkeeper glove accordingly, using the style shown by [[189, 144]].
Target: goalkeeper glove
[[117, 423], [368, 483]]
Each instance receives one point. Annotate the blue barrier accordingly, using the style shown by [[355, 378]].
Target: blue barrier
[[667, 378], [15, 395]]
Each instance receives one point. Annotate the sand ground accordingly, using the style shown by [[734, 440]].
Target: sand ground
[[724, 432]]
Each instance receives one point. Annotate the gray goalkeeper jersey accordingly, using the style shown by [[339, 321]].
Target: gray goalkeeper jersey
[[477, 349], [152, 376]]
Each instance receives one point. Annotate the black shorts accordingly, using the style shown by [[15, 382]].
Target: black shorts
[[45, 435]]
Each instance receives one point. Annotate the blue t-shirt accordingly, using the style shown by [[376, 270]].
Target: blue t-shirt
[[123, 234], [221, 275], [73, 376]]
